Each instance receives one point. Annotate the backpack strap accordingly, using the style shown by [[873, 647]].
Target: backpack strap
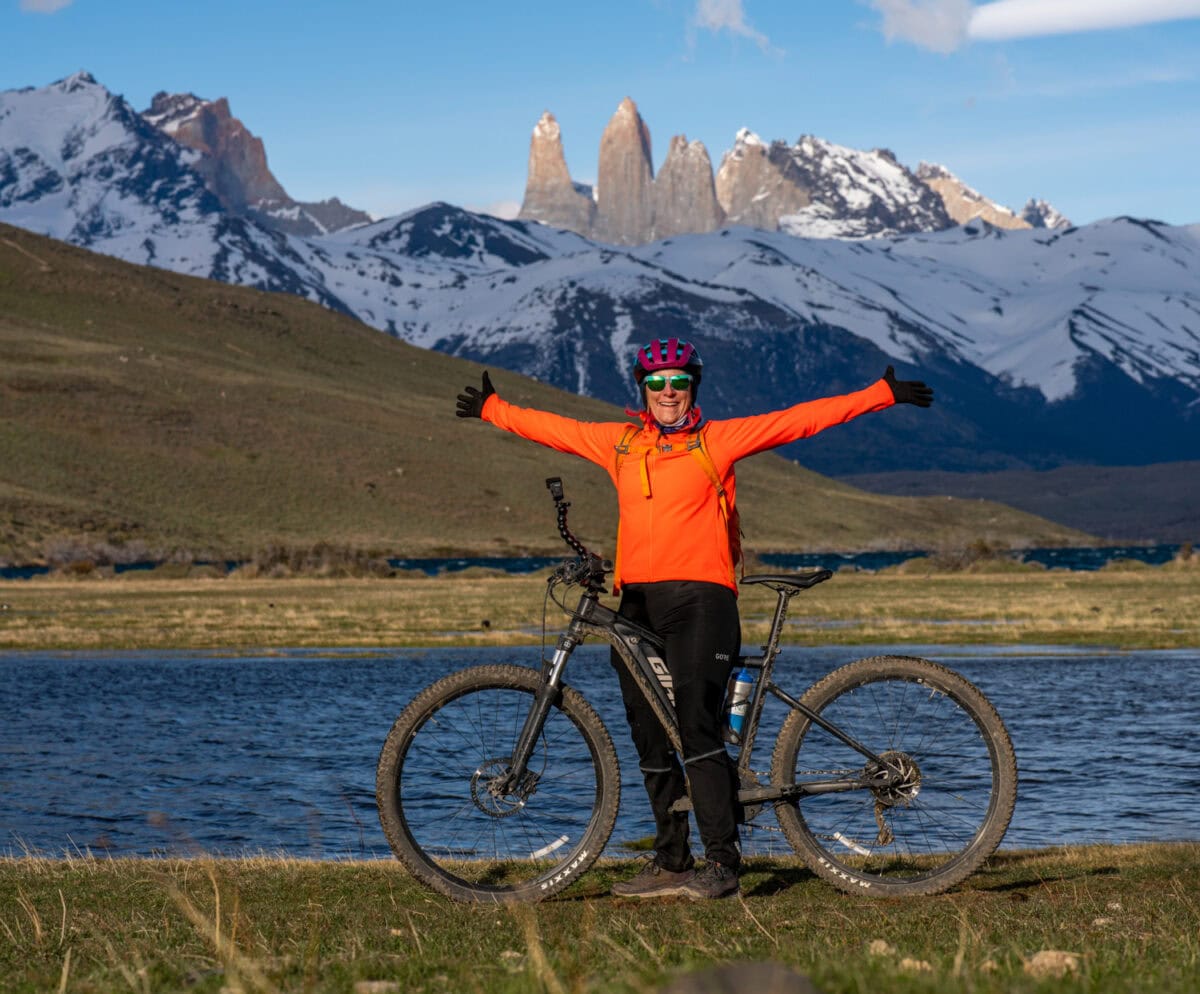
[[623, 449], [733, 524]]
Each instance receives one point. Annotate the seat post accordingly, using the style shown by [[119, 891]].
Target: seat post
[[784, 596]]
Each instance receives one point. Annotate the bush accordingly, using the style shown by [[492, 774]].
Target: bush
[[974, 556], [321, 560], [1125, 566]]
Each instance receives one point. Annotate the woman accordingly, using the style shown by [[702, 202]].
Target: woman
[[677, 550]]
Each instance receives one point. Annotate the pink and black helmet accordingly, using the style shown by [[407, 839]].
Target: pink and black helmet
[[668, 353]]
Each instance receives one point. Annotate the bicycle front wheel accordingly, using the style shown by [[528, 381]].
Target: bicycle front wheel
[[923, 833], [449, 813]]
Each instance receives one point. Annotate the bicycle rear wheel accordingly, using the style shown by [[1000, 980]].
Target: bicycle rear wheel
[[444, 813], [921, 836]]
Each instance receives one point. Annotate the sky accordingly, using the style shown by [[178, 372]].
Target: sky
[[1091, 105]]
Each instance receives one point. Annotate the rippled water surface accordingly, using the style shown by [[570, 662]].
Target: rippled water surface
[[140, 753]]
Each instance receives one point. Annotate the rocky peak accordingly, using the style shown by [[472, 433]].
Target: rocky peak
[[168, 110], [859, 194], [233, 163], [1040, 214], [814, 188], [624, 193], [964, 204], [755, 184], [76, 81], [550, 195], [685, 197]]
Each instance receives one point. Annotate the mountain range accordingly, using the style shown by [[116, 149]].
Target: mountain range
[[812, 189], [1047, 346]]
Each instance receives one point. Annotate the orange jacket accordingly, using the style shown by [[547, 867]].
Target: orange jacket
[[670, 525]]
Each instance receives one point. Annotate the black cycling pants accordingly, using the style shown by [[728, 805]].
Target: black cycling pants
[[702, 638]]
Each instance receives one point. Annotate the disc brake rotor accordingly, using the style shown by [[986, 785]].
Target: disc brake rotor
[[900, 790], [489, 795]]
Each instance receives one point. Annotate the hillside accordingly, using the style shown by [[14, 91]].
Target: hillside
[[1118, 504], [146, 413]]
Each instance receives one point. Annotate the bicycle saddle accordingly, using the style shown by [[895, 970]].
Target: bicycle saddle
[[790, 581]]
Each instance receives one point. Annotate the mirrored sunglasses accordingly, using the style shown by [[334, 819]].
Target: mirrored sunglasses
[[656, 383]]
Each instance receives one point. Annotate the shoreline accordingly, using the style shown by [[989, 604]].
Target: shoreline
[[1133, 608]]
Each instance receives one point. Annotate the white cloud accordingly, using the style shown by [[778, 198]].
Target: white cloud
[[1027, 18], [944, 25], [939, 25], [727, 15], [44, 6]]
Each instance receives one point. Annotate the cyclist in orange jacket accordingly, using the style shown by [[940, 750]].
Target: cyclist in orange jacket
[[676, 558]]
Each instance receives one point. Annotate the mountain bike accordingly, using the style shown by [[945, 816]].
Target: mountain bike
[[890, 776]]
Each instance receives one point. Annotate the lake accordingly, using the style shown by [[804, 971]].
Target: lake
[[135, 753]]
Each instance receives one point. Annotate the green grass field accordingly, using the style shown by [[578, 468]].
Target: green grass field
[[1121, 920]]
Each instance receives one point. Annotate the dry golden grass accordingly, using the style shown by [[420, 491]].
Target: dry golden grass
[[1150, 608]]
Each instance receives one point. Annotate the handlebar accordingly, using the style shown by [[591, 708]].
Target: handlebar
[[588, 569]]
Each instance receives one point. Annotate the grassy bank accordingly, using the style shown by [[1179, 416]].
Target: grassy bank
[[1128, 917], [1131, 608]]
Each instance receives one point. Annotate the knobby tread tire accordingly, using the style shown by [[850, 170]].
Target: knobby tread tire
[[574, 862], [842, 873]]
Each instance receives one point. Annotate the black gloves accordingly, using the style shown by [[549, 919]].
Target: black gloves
[[905, 391], [470, 403]]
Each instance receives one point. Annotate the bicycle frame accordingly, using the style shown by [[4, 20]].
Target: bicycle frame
[[480, 817], [641, 651]]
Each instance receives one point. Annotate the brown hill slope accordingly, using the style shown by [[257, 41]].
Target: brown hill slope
[[143, 413]]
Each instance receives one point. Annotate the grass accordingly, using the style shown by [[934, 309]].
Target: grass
[[1134, 608], [1128, 916]]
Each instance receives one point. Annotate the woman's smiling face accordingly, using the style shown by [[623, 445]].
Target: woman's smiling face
[[668, 405]]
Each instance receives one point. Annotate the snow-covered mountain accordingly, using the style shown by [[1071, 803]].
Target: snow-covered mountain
[[1047, 346], [855, 194]]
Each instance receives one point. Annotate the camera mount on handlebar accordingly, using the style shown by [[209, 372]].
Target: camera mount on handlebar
[[589, 570]]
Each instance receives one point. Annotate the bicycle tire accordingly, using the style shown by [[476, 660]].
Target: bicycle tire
[[474, 846], [955, 808]]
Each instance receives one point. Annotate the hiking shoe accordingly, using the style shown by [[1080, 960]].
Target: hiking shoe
[[654, 881], [714, 880]]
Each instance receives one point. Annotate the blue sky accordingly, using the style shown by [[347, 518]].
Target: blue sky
[[1093, 105]]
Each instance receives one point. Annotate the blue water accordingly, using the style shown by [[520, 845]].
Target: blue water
[[144, 753], [1059, 558]]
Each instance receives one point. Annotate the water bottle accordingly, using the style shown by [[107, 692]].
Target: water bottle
[[737, 703]]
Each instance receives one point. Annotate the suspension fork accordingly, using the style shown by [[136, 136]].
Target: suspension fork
[[547, 694]]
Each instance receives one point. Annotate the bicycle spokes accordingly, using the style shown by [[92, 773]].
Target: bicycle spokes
[[940, 794], [457, 815]]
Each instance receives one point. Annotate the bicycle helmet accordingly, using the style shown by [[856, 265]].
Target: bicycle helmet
[[668, 353]]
